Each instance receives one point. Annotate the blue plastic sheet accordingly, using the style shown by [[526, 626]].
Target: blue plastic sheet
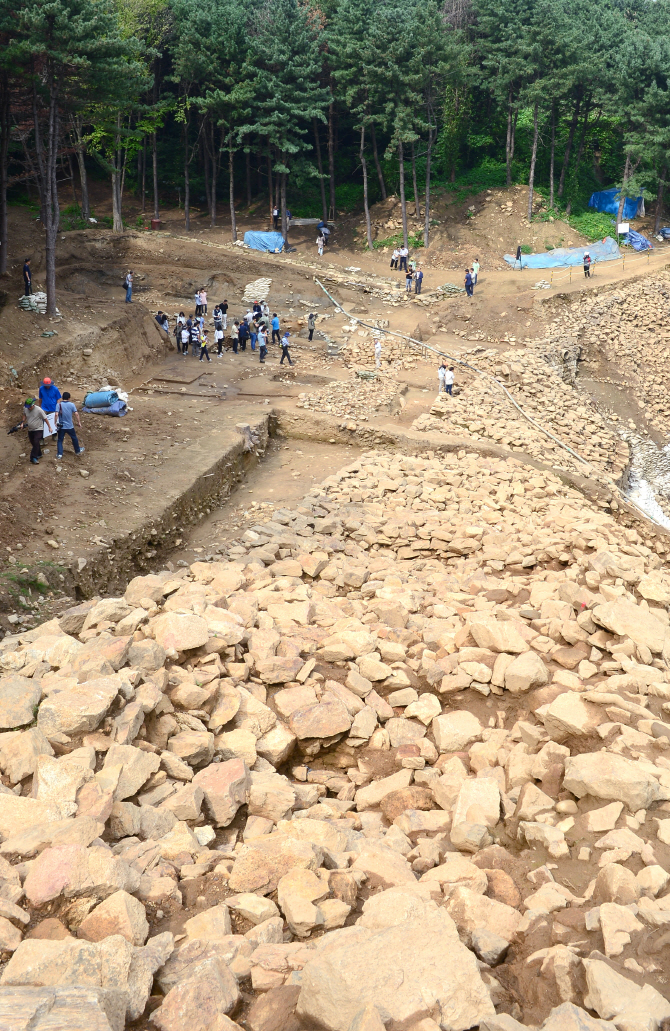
[[561, 257], [637, 241], [608, 201], [100, 398], [665, 233], [264, 241], [117, 408]]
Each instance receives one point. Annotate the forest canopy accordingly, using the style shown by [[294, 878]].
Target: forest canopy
[[323, 108]]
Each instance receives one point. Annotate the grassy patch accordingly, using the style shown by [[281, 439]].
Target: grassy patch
[[526, 248], [414, 240], [595, 225]]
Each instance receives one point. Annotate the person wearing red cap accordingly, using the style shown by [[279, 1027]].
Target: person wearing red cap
[[49, 398]]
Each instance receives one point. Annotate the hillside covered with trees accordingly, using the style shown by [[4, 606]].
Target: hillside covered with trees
[[326, 107]]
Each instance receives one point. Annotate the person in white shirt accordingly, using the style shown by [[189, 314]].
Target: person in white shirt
[[378, 354], [218, 340], [475, 270], [394, 258], [449, 379], [440, 377], [404, 255]]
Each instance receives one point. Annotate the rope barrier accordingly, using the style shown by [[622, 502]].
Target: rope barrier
[[622, 259]]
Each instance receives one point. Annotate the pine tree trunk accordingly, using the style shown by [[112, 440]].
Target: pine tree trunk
[[380, 174], [71, 167], [155, 161], [51, 205], [508, 143], [331, 159], [270, 180], [215, 177], [622, 199], [403, 204], [4, 150], [144, 175], [364, 166], [551, 158], [426, 224], [319, 162], [116, 181], [231, 189], [205, 168], [417, 209], [571, 136], [659, 200], [513, 140], [83, 178], [580, 152], [284, 219], [187, 180], [533, 158], [248, 171]]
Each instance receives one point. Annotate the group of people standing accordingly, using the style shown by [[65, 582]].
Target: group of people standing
[[401, 262], [53, 416], [255, 326], [471, 276]]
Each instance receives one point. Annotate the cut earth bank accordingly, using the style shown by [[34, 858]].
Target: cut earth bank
[[396, 756]]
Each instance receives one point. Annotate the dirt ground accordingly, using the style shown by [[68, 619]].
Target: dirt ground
[[56, 514]]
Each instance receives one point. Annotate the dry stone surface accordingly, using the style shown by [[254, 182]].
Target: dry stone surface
[[400, 759]]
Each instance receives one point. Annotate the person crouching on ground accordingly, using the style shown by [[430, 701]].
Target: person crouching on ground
[[67, 412], [34, 418]]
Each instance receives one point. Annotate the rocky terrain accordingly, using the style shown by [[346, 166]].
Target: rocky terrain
[[399, 759]]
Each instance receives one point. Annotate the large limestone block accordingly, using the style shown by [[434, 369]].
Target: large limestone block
[[454, 731], [70, 1007], [73, 870], [395, 906], [112, 964], [210, 925], [226, 786], [136, 768], [477, 810], [270, 796], [19, 814], [122, 914], [383, 866], [409, 972], [202, 1001], [612, 777], [326, 719], [569, 715], [18, 698], [79, 710], [372, 794], [497, 636], [616, 998], [472, 911], [179, 632], [260, 866], [627, 619], [525, 671], [19, 752]]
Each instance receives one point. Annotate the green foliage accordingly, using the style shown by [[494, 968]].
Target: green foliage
[[595, 225], [526, 248], [414, 240]]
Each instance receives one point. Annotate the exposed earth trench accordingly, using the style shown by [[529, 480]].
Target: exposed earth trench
[[329, 701]]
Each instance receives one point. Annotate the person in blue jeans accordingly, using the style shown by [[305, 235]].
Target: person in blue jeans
[[275, 327], [67, 411], [129, 286]]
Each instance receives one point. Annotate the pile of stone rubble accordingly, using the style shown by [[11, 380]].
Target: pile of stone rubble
[[354, 399], [400, 761], [483, 412]]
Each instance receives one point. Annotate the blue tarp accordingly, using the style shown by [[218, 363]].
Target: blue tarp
[[117, 408], [637, 241], [264, 241], [561, 257], [608, 201]]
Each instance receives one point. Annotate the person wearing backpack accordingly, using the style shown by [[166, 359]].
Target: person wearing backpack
[[128, 283]]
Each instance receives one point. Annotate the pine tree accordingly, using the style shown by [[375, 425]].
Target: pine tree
[[284, 66]]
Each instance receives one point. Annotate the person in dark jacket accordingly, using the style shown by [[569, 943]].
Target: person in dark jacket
[[469, 287], [27, 277], [243, 334]]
